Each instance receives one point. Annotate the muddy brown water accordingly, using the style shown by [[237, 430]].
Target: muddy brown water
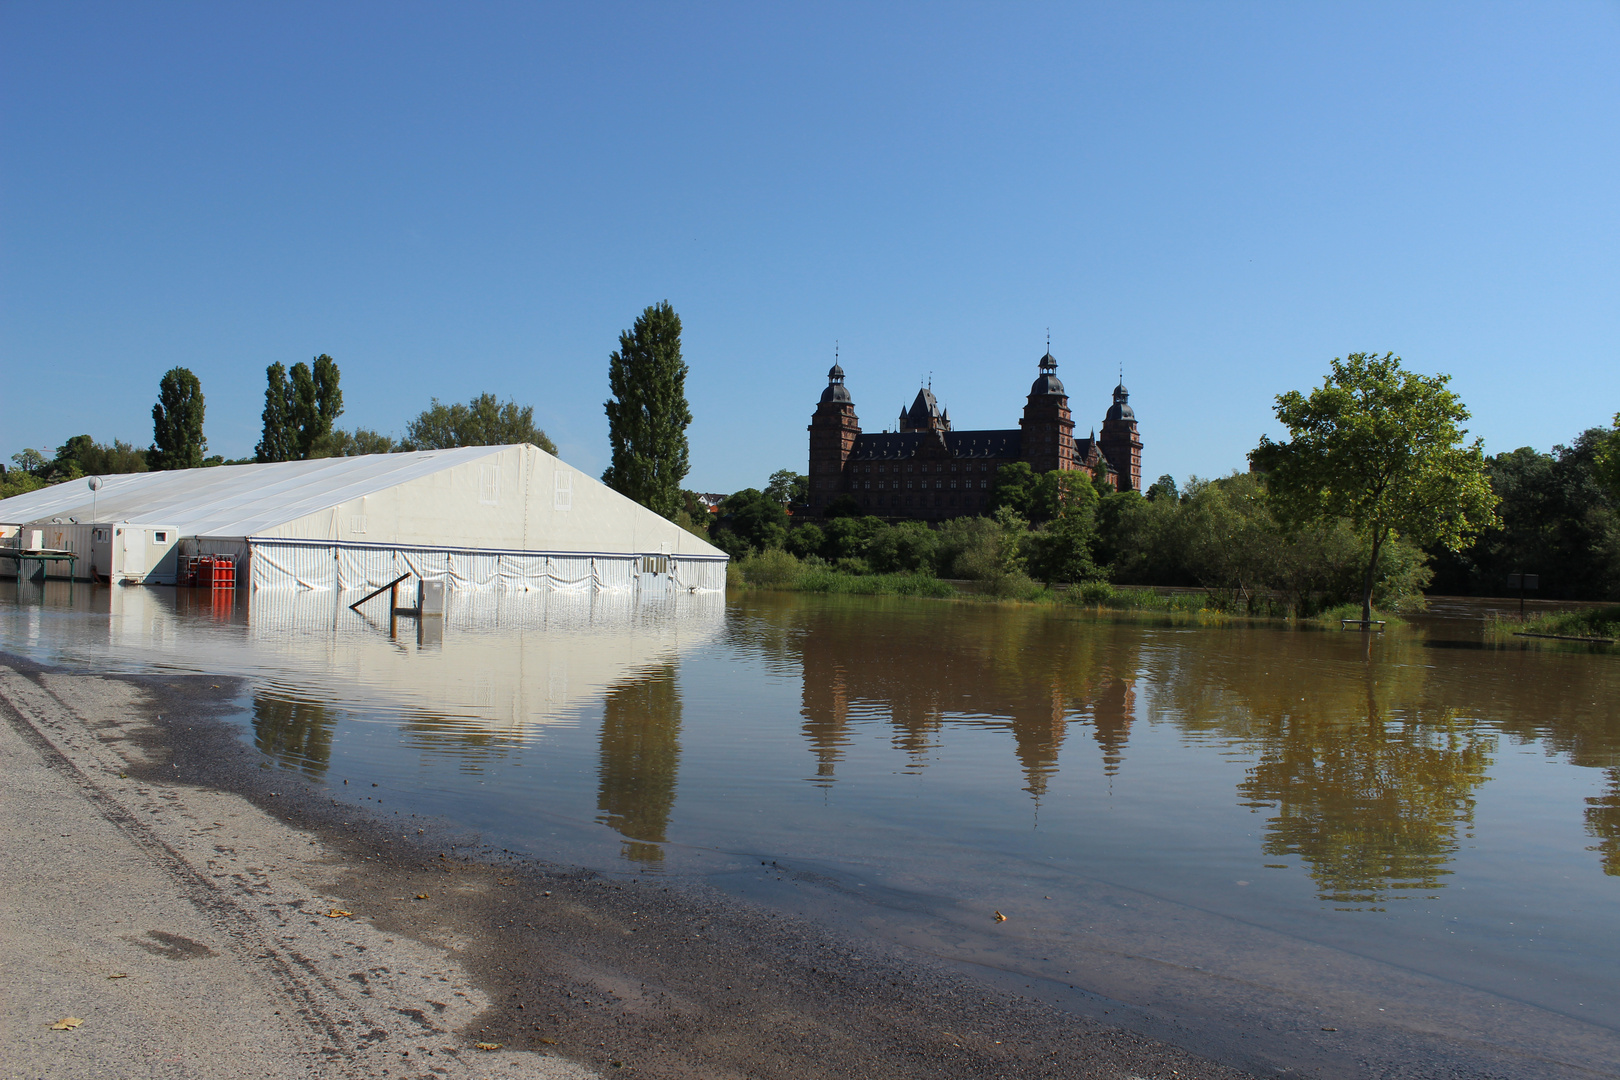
[[1293, 848]]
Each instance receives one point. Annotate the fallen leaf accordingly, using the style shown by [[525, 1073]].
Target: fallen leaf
[[548, 1042], [338, 913], [67, 1023], [1000, 917], [1330, 1029], [486, 1046], [118, 975], [421, 896]]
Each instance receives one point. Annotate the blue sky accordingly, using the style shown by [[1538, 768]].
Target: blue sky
[[449, 199]]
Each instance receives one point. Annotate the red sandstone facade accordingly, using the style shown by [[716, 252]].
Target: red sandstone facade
[[926, 469]]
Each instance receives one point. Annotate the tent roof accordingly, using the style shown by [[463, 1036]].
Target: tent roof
[[232, 500]]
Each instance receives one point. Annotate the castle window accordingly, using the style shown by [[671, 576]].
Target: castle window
[[908, 485], [953, 466], [984, 483], [938, 484], [953, 484], [869, 484]]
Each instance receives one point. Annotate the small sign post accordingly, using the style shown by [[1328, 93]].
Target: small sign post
[[1524, 583]]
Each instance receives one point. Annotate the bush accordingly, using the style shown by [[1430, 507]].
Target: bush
[[770, 569], [1092, 592], [904, 548], [1601, 622], [806, 540]]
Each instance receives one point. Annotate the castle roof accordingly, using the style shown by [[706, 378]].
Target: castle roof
[[836, 391], [894, 446], [923, 409], [1121, 409], [1047, 382]]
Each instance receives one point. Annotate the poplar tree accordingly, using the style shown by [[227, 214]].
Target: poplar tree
[[316, 400], [177, 423], [276, 441], [299, 409], [648, 414]]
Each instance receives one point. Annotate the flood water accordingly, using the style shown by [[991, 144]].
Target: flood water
[[1296, 849]]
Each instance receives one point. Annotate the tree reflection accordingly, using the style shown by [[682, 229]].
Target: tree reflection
[[1372, 806], [1369, 782], [296, 732], [640, 752], [1603, 822]]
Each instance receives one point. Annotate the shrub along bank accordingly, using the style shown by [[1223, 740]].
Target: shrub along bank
[[1219, 536]]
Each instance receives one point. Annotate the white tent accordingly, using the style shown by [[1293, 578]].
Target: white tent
[[476, 517]]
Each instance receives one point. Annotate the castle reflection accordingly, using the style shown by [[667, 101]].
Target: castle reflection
[[1002, 670]]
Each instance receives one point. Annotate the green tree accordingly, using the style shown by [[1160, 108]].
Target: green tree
[[1014, 488], [1608, 459], [787, 486], [648, 414], [356, 443], [1381, 446], [277, 440], [483, 421], [299, 409], [30, 461], [1064, 550], [316, 401], [904, 548], [806, 540], [1164, 488], [177, 423], [751, 520], [91, 458]]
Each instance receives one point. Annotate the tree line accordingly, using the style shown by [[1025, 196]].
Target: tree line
[[1375, 496], [647, 420]]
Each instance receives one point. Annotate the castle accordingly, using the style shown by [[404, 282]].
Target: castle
[[928, 470]]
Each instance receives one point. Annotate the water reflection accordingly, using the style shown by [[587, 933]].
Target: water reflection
[[1001, 671], [1372, 804], [1603, 822], [1168, 764], [641, 728], [294, 732]]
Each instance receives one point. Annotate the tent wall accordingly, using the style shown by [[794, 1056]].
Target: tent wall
[[292, 565]]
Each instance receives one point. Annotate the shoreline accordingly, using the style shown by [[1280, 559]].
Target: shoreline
[[571, 972]]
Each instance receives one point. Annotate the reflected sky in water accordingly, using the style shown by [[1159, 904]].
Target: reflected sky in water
[[1324, 816]]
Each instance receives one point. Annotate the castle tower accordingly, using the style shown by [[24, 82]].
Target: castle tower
[[833, 429], [924, 414], [1048, 429], [1120, 443]]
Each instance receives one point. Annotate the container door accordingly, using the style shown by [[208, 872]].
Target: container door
[[134, 551]]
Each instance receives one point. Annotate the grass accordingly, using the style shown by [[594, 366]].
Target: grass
[[779, 570], [1597, 622]]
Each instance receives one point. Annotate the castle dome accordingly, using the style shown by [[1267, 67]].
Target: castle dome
[[1121, 409], [836, 392], [1047, 381]]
